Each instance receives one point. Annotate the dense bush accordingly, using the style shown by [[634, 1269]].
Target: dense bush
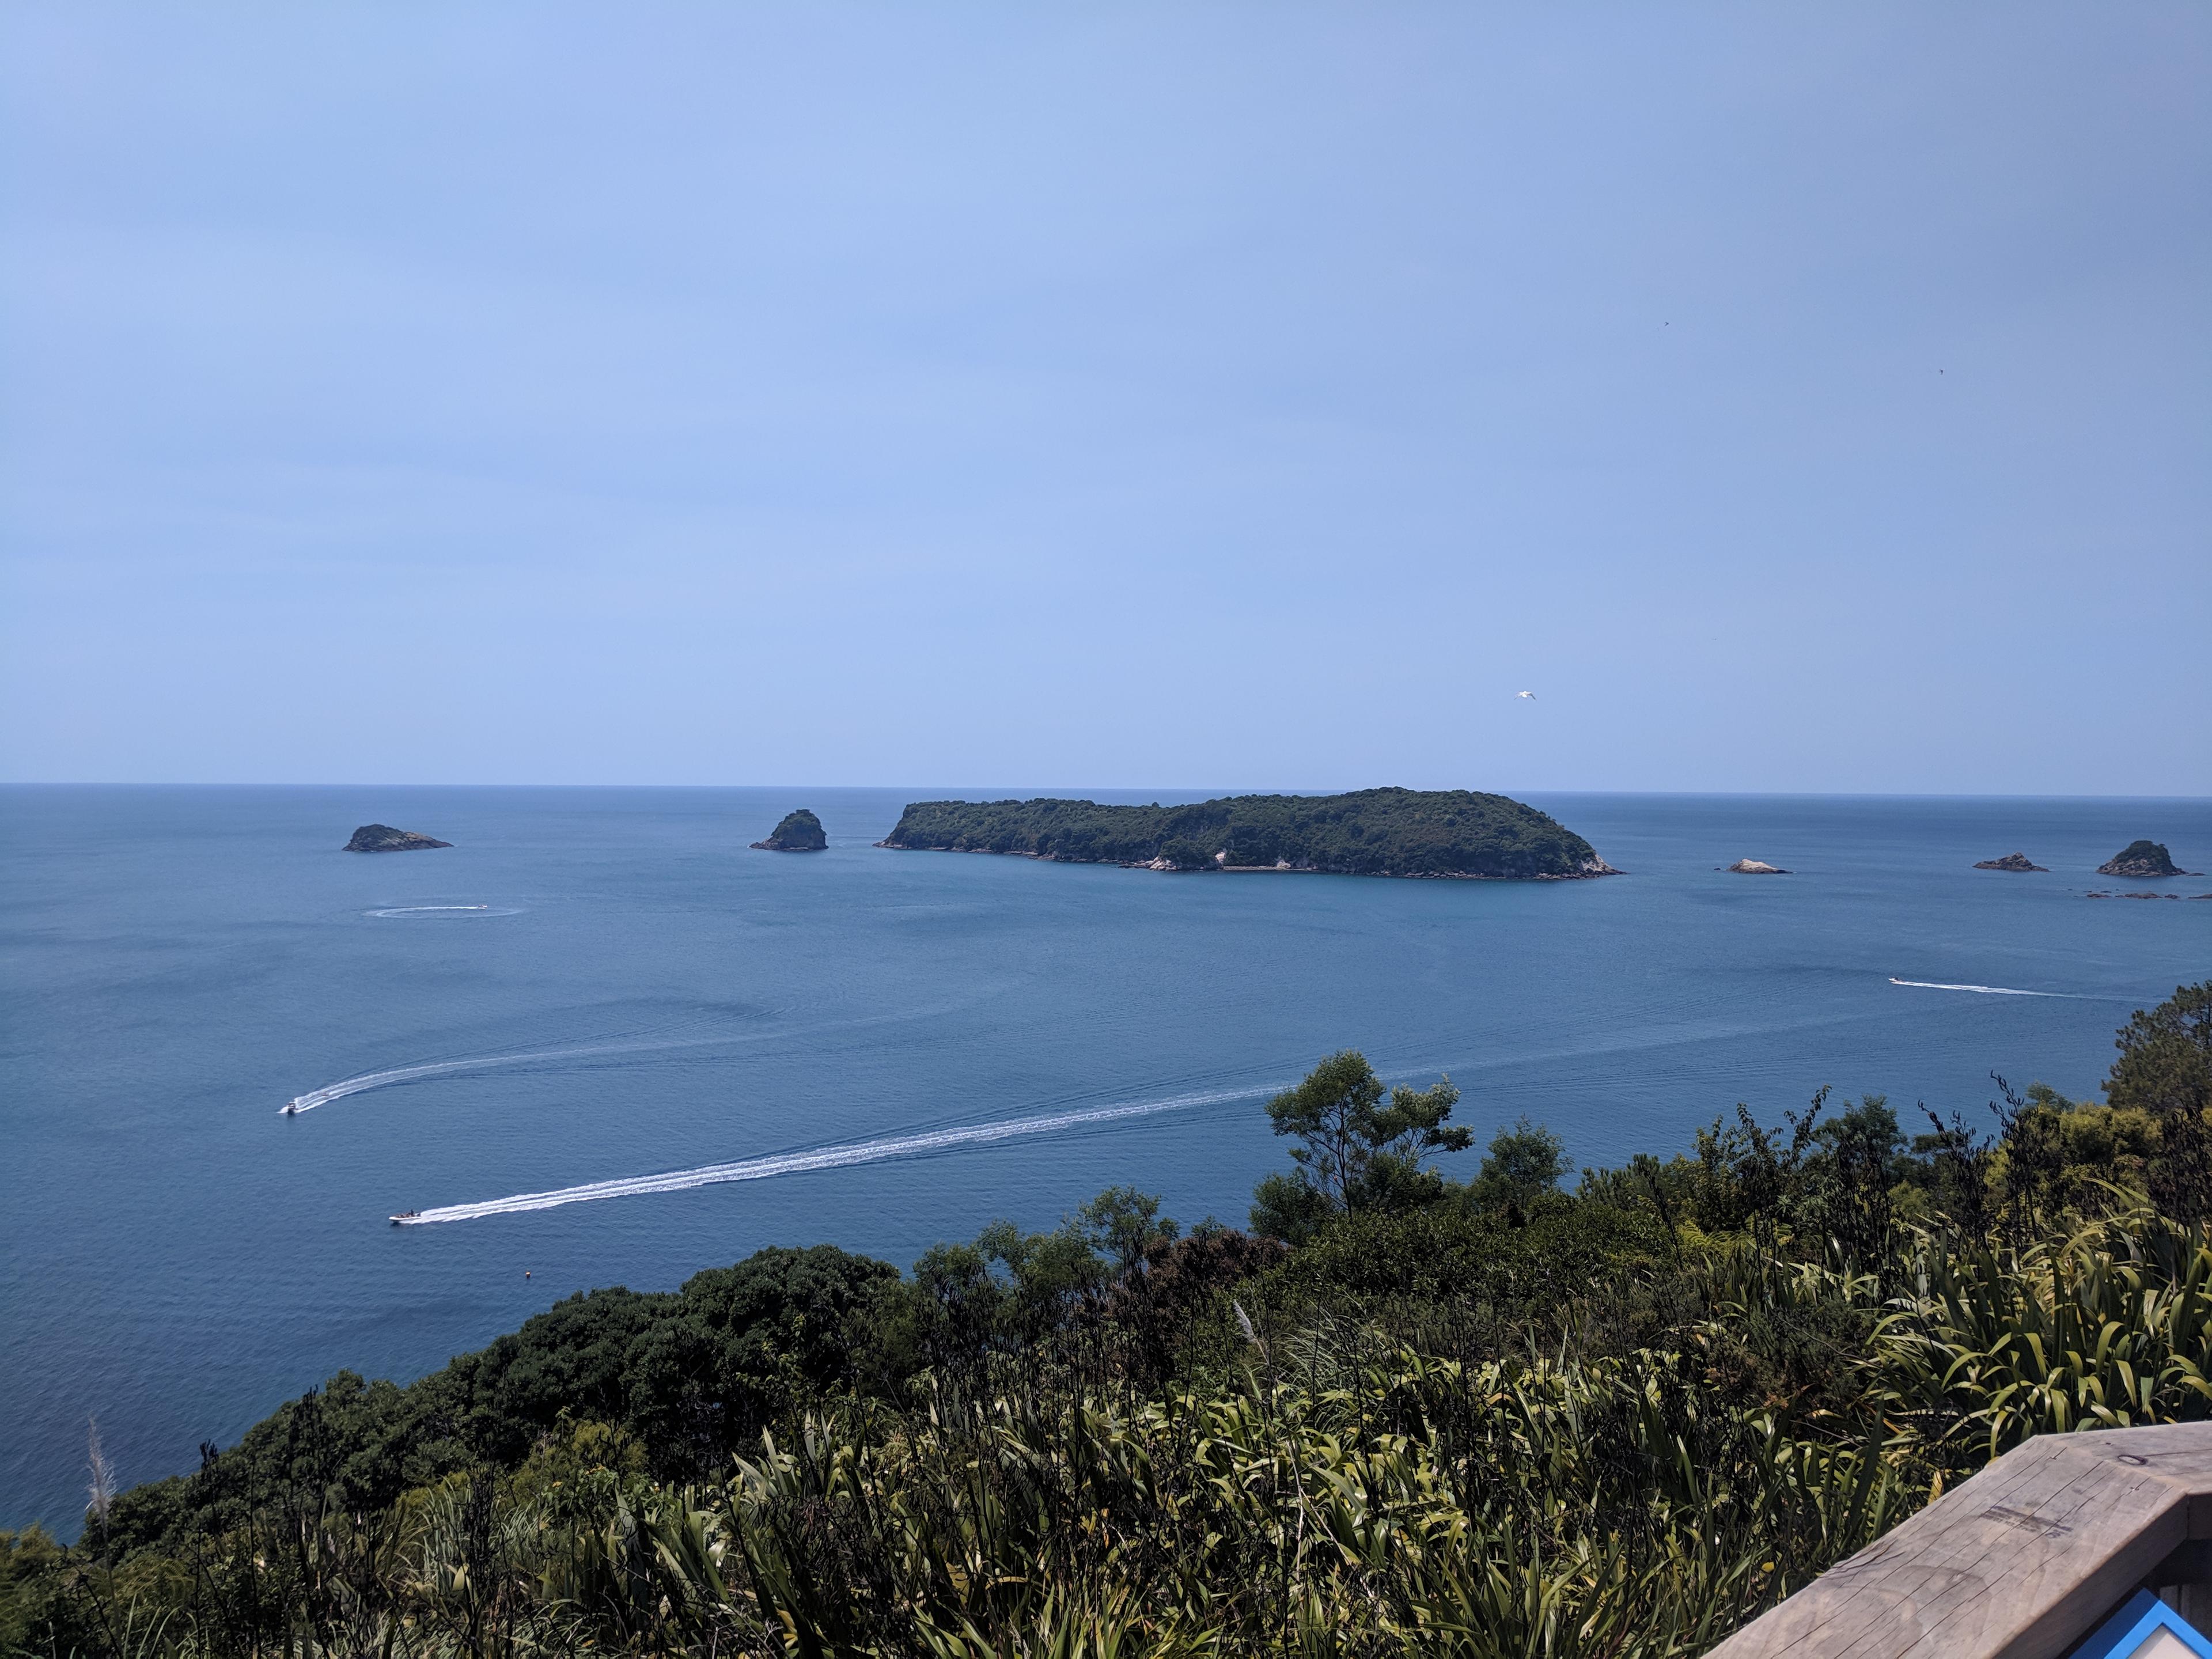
[[1486, 1419]]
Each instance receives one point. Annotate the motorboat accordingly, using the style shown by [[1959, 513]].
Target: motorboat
[[405, 1217]]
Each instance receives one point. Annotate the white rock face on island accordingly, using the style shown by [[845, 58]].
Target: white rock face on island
[[1754, 867]]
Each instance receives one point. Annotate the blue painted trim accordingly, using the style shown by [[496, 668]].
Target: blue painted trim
[[2127, 1629]]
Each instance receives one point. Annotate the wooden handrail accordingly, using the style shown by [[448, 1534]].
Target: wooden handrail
[[2020, 1562]]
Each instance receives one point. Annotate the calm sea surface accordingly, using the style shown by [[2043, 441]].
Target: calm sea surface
[[629, 991]]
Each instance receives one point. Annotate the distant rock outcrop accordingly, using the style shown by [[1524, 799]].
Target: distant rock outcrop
[[383, 838], [799, 832], [2012, 862], [2142, 858], [1754, 867]]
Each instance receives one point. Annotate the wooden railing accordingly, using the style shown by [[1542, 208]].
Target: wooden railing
[[2021, 1561]]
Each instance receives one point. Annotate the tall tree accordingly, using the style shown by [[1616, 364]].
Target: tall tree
[[1361, 1145], [2165, 1068]]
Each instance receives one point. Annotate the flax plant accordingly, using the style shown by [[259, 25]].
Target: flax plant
[[2108, 1329]]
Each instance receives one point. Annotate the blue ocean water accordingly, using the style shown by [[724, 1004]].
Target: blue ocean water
[[621, 987]]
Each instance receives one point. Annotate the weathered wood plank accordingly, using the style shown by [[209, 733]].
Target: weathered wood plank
[[2019, 1562]]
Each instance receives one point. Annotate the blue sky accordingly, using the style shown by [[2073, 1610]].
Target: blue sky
[[1210, 394]]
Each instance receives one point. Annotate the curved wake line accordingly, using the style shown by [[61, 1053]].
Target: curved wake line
[[368, 1080], [426, 909], [1985, 990], [825, 1157]]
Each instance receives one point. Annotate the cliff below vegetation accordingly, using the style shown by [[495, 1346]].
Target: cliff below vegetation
[[1448, 833]]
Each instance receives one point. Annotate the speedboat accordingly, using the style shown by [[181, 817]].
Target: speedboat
[[289, 1108], [404, 1217]]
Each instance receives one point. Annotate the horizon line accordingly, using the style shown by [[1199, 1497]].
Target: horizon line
[[1035, 791]]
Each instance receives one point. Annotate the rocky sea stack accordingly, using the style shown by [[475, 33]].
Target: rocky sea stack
[[2012, 862], [383, 838], [1754, 867], [2141, 858], [799, 832]]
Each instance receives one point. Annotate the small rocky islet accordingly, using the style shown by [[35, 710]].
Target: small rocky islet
[[383, 838], [799, 832], [2012, 861], [2139, 859], [1753, 868]]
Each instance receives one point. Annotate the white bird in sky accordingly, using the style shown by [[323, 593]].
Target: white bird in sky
[[1531, 695]]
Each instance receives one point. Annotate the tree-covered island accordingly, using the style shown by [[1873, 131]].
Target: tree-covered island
[[1437, 833]]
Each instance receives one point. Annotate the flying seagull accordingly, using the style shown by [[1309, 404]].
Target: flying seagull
[[1531, 695]]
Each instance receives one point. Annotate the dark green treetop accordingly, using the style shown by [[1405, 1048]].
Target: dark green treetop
[[1523, 1162], [1361, 1145], [2165, 1068]]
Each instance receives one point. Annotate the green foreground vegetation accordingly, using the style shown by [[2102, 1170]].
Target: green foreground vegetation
[[1401, 1415], [1369, 832]]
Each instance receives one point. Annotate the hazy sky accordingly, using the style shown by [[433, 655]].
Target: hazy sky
[[1211, 394]]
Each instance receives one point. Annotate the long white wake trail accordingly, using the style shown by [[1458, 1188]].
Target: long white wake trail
[[825, 1157], [368, 1080], [1985, 990]]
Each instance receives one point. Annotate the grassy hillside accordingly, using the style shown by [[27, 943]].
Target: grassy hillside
[[1406, 1411], [1369, 832]]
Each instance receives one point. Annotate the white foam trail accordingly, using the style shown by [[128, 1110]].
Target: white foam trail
[[825, 1157], [430, 909], [645, 1045], [1985, 990], [368, 1080]]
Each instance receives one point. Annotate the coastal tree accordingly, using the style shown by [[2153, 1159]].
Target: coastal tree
[[2164, 1069], [1959, 1172], [1361, 1145], [1123, 1224], [1524, 1161], [1858, 1158]]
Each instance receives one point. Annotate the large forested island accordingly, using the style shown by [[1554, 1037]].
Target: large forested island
[[1448, 833]]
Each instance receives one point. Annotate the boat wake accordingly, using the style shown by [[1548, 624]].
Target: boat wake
[[1984, 990], [825, 1157], [648, 1040], [368, 1080], [445, 910]]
